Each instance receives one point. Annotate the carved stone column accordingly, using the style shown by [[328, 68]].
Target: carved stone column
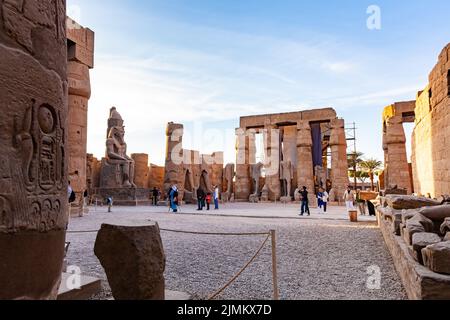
[[33, 136], [174, 156], [397, 159], [80, 60], [339, 160], [272, 161], [305, 170], [242, 185]]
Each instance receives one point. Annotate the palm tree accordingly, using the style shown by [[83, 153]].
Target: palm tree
[[354, 159], [371, 166]]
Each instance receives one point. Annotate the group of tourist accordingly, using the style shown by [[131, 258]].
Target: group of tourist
[[204, 199], [323, 198]]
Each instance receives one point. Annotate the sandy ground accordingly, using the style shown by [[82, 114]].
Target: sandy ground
[[319, 257]]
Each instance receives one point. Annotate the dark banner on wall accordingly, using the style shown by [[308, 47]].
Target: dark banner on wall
[[316, 132]]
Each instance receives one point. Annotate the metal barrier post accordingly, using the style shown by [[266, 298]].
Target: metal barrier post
[[274, 265]]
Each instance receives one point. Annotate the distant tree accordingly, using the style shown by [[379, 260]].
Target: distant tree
[[354, 159], [360, 175], [371, 166]]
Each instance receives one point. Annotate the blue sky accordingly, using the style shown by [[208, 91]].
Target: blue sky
[[204, 63]]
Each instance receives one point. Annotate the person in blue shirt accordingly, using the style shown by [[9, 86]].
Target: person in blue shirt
[[173, 198]]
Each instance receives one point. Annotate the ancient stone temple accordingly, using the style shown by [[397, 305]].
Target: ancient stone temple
[[189, 170], [80, 46], [428, 173], [296, 147], [33, 174]]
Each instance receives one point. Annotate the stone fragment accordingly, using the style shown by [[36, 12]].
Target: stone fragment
[[445, 227], [417, 224], [439, 213], [134, 260], [437, 257], [409, 202], [421, 241]]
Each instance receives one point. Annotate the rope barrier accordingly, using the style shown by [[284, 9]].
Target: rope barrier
[[214, 295], [269, 235]]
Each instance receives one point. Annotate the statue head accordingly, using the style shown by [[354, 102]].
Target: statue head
[[117, 133], [115, 119]]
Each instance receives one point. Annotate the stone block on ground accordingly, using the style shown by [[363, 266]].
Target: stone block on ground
[[423, 240], [398, 202], [445, 227], [439, 213], [417, 224], [134, 260], [437, 257]]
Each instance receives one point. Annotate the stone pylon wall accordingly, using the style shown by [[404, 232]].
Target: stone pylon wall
[[80, 60], [430, 142], [33, 136]]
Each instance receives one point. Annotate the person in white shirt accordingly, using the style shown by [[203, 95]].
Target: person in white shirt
[[349, 198], [325, 197]]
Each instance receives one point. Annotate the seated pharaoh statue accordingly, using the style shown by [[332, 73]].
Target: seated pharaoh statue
[[117, 167]]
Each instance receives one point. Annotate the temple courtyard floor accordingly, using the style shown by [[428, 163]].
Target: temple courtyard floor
[[319, 257]]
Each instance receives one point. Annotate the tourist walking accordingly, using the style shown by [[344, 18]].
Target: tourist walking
[[349, 198], [325, 197], [305, 201], [109, 203], [173, 198], [319, 200], [216, 198], [155, 196], [200, 199]]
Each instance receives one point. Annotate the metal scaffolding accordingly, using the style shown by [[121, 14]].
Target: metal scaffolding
[[350, 134]]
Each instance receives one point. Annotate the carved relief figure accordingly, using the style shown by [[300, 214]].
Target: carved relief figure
[[321, 176], [286, 175], [256, 175], [116, 151]]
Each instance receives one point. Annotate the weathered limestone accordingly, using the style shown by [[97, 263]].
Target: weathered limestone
[[286, 176], [93, 170], [339, 162], [242, 185], [417, 224], [288, 138], [397, 169], [140, 169], [80, 60], [156, 177], [117, 167], [438, 214], [421, 241], [228, 177], [174, 155], [33, 171], [409, 202], [134, 260], [272, 160], [256, 176], [445, 227], [305, 170], [189, 170], [437, 257]]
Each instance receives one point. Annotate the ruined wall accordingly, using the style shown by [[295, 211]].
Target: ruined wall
[[141, 169], [33, 136], [431, 143], [93, 169], [156, 177]]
